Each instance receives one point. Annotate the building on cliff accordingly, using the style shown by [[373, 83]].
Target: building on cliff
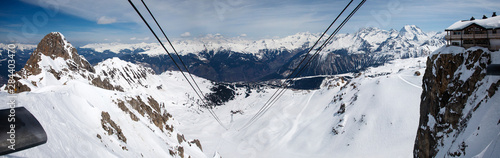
[[483, 32]]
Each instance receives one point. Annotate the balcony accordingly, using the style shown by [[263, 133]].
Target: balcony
[[497, 35], [452, 37], [473, 45], [471, 36]]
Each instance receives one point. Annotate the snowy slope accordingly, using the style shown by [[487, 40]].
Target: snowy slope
[[64, 95], [72, 116], [374, 113], [381, 113]]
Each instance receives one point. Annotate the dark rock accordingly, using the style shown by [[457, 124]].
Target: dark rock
[[111, 127], [445, 95]]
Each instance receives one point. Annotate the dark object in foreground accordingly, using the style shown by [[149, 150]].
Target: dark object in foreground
[[19, 130], [493, 69]]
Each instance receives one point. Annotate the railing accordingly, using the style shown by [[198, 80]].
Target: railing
[[497, 35], [471, 36], [450, 37], [472, 45]]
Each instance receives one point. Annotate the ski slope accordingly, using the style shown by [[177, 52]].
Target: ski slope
[[380, 119]]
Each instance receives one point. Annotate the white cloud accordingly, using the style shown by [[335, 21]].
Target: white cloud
[[186, 34], [106, 20], [243, 35], [262, 17], [139, 39]]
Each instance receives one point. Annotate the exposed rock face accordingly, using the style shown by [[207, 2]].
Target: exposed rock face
[[454, 86], [111, 127], [61, 60], [55, 63], [119, 75], [54, 45]]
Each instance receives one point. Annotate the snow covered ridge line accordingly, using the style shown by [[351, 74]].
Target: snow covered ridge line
[[22, 47], [214, 42], [363, 41], [115, 109]]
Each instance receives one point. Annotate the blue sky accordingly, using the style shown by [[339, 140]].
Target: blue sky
[[105, 21]]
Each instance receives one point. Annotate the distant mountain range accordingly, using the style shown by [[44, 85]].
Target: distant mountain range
[[219, 58], [117, 108]]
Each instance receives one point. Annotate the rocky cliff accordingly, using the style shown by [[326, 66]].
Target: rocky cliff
[[54, 57], [459, 113]]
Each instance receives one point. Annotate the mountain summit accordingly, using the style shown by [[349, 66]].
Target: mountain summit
[[225, 59], [55, 46], [102, 108]]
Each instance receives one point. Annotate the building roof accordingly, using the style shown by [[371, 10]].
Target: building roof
[[489, 23]]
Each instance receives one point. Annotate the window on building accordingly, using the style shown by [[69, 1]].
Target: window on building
[[494, 31], [482, 41], [468, 42], [457, 32], [455, 44]]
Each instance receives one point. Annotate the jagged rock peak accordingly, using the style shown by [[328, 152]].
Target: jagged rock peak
[[55, 45]]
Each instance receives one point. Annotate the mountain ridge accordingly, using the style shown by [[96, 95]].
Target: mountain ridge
[[118, 117], [298, 40], [218, 58], [228, 60]]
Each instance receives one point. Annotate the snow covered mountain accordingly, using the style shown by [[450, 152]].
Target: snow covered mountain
[[350, 115], [220, 58], [223, 59], [98, 109], [366, 40], [214, 43], [121, 109], [22, 53]]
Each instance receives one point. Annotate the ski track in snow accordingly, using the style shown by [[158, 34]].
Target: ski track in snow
[[298, 125], [293, 130], [414, 85]]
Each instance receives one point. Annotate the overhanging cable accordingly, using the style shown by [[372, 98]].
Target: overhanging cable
[[320, 49], [283, 84], [282, 89], [182, 62], [177, 65]]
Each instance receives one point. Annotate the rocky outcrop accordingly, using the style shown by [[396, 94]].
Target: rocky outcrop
[[56, 64], [116, 74], [65, 62], [111, 127], [54, 45], [455, 85]]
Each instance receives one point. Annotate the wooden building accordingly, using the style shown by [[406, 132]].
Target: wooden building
[[483, 32]]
